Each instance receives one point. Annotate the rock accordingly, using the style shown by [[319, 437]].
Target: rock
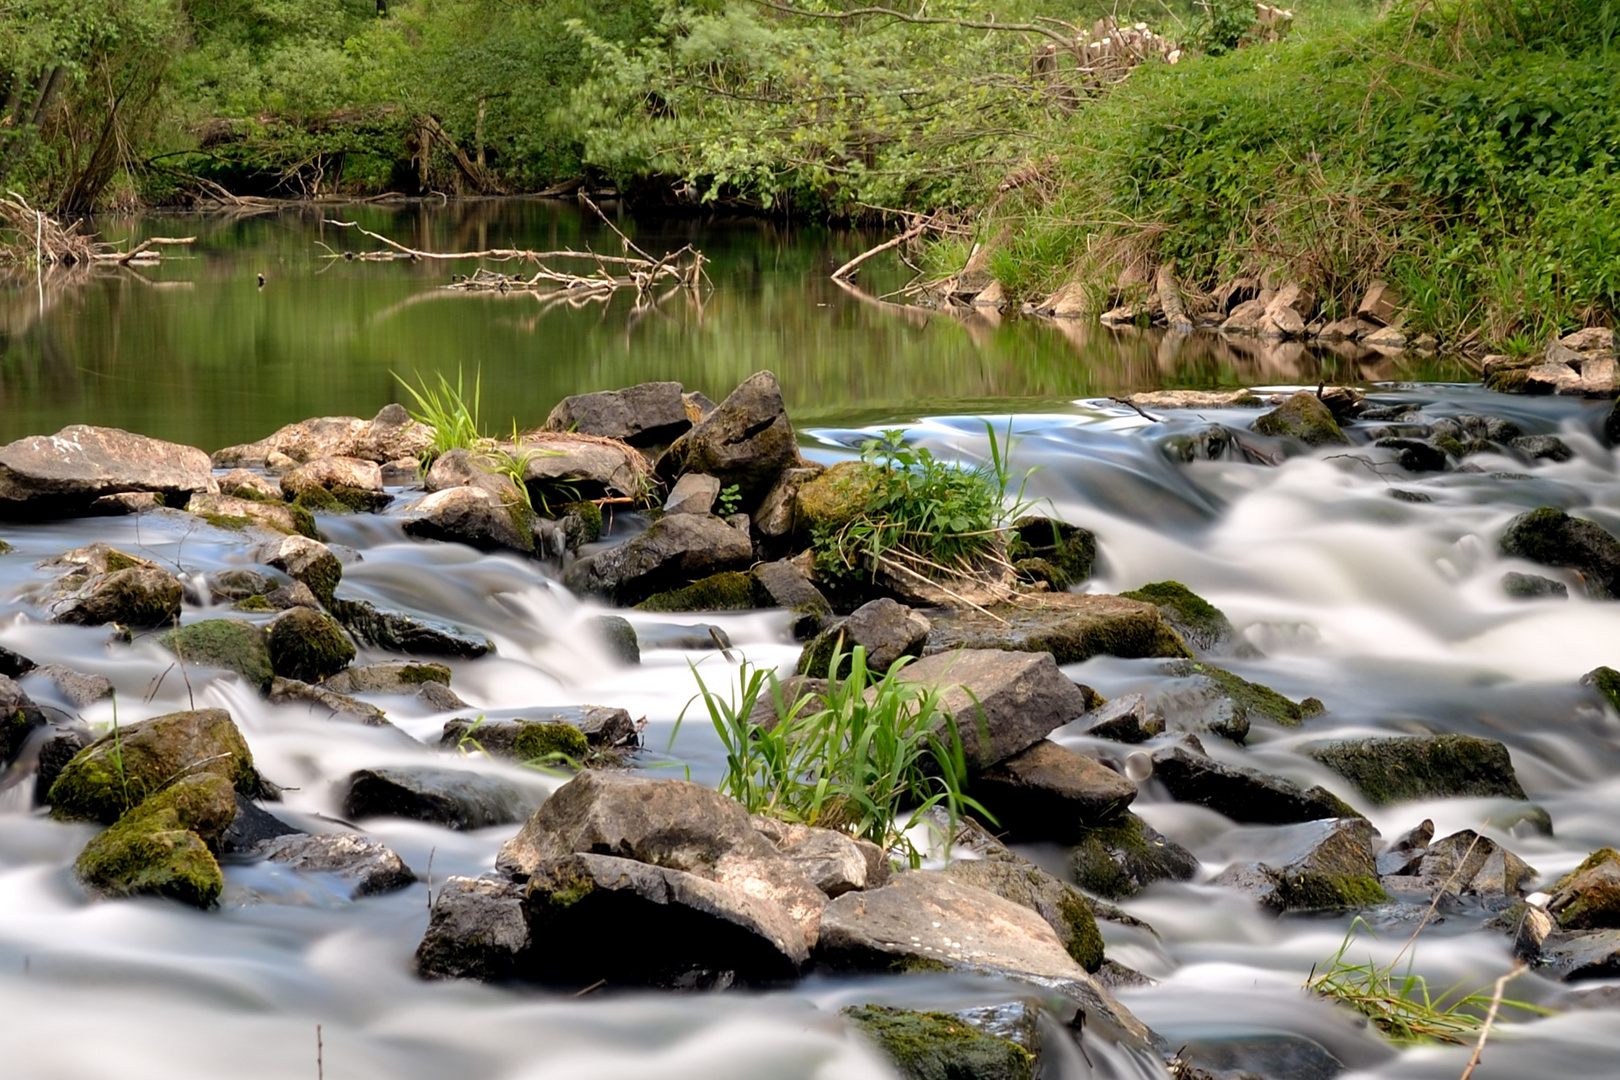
[[1302, 416], [139, 760], [1197, 399], [672, 824], [693, 493], [239, 584], [1219, 1055], [454, 798], [780, 698], [461, 467], [786, 586], [885, 629], [650, 414], [225, 512], [474, 516], [939, 1046], [79, 689], [1414, 455], [1463, 863], [161, 846], [56, 746], [388, 436], [747, 441], [1552, 538], [689, 931], [388, 677], [65, 472], [304, 560], [1317, 865], [1049, 792], [372, 866], [413, 635], [832, 861], [14, 665], [1070, 626], [1606, 681], [619, 638], [1194, 704], [307, 645], [1256, 699], [1422, 767], [233, 644], [1340, 330], [565, 468], [1379, 304], [1552, 377], [1122, 858], [250, 486], [477, 929], [1385, 337], [337, 484], [1611, 426], [136, 596], [924, 919], [731, 590], [1201, 624], [1542, 447], [1245, 795], [676, 550], [1591, 955], [1065, 908], [1588, 897], [831, 499], [1001, 702], [124, 503], [19, 718], [1066, 553], [1532, 586], [774, 517], [1246, 318], [327, 702], [1126, 719], [588, 727], [439, 697]]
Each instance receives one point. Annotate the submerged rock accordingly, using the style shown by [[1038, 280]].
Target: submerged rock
[[1318, 865], [79, 689], [1125, 856], [162, 846], [372, 866], [885, 629], [233, 644], [675, 551], [1245, 795], [1532, 586], [1553, 538], [1049, 792], [747, 441], [648, 414], [1302, 416], [1422, 767], [619, 637], [1071, 627], [66, 472], [1001, 702], [1201, 624], [1606, 681], [454, 798], [939, 1046], [1254, 700], [307, 645]]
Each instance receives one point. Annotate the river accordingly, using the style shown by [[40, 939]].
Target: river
[[1389, 611]]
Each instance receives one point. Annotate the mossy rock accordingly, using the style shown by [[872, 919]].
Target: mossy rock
[[1606, 681], [161, 847], [1122, 858], [1063, 906], [256, 602], [1304, 417], [540, 742], [618, 637], [1514, 380], [140, 595], [5, 548], [1328, 892], [834, 498], [1422, 767], [590, 520], [1551, 537], [731, 590], [1200, 623], [1588, 897], [308, 645], [940, 1046], [233, 644], [1072, 627], [129, 764], [1052, 551], [1256, 698]]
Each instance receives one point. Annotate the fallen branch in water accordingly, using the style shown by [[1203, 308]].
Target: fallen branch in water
[[51, 243], [888, 245]]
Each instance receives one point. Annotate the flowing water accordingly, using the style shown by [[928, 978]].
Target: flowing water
[[1389, 611]]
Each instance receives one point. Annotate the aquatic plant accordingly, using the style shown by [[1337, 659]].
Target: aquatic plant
[[868, 756], [447, 412]]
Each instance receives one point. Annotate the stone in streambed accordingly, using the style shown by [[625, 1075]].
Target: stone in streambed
[[1064, 907], [1606, 681], [826, 501], [1462, 864], [1001, 702], [885, 629], [731, 590], [1422, 767], [454, 798], [1552, 538], [304, 560], [1588, 897], [162, 846], [138, 760], [1253, 700], [325, 702], [1302, 416], [572, 732], [143, 595], [476, 517], [396, 631], [337, 484], [1052, 551], [618, 637], [676, 550], [388, 436], [1125, 719], [1414, 455], [1532, 586], [648, 414], [388, 677], [1317, 865], [233, 644], [19, 718], [370, 866], [307, 645], [1049, 792], [76, 687], [14, 665], [1201, 624], [833, 862], [747, 441], [693, 493], [1070, 626], [782, 584], [245, 484], [1125, 856], [251, 827], [939, 1046], [1247, 796], [776, 515], [66, 472], [477, 929], [226, 512]]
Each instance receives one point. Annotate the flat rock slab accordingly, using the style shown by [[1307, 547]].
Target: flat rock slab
[[1245, 795], [1423, 767], [370, 865], [77, 465], [1002, 702], [1070, 626], [1065, 908], [1049, 792], [453, 798]]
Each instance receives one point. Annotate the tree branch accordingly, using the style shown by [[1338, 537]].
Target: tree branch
[[967, 24]]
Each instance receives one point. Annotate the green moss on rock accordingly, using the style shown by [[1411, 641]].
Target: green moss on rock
[[1119, 859], [1422, 766], [1254, 697], [732, 590], [308, 646], [1084, 941], [1588, 897], [234, 522], [161, 847], [1061, 554], [1606, 681], [1304, 417], [1328, 892], [590, 519], [256, 602], [539, 742], [1200, 623], [834, 498], [5, 548], [939, 1046], [233, 644]]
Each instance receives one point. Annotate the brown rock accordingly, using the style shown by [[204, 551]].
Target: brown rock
[[1049, 792], [1001, 702], [78, 464]]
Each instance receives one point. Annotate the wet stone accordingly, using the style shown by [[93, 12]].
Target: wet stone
[[1463, 864], [1121, 858], [414, 635], [325, 702], [1414, 455], [1533, 586], [1072, 627], [1422, 766], [371, 866], [1125, 719], [76, 687], [1002, 702], [1049, 792], [477, 929], [1553, 538], [1245, 795], [1318, 865], [939, 1046], [454, 798]]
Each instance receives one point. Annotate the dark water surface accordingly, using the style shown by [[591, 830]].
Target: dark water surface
[[195, 351]]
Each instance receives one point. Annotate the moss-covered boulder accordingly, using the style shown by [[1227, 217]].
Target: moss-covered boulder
[[1552, 538], [162, 846], [730, 590], [1255, 699], [19, 716], [337, 484], [1059, 903], [1201, 624], [1315, 866], [1122, 858], [134, 596], [827, 502], [307, 645], [1422, 767], [1606, 681], [1070, 626], [1588, 897], [1055, 552], [305, 560], [618, 637], [130, 764], [1305, 417], [939, 1046], [233, 644]]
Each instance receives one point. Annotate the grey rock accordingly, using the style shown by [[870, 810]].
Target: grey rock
[[474, 516], [14, 665], [1532, 586], [833, 862], [454, 798], [677, 550], [304, 560], [463, 468], [477, 929], [352, 483], [307, 645], [124, 503], [1049, 792], [251, 827], [1542, 447], [564, 468], [231, 644], [1242, 794], [1125, 719], [136, 596], [415, 635], [604, 728], [240, 583], [773, 518], [1302, 416], [789, 587], [1001, 702], [1318, 865], [67, 471], [1065, 908], [372, 866], [325, 702], [1415, 455], [693, 493], [388, 677], [650, 414], [1463, 864], [388, 436], [1264, 1055], [439, 697], [78, 688], [244, 484], [615, 632], [1552, 538], [747, 441], [21, 718], [1125, 856], [885, 629]]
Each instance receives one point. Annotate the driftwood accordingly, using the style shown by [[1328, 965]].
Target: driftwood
[[1175, 312], [53, 244]]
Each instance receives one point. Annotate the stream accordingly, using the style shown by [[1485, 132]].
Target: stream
[[1389, 611]]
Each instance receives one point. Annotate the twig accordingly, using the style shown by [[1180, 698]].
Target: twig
[[597, 985], [923, 20], [1490, 1017], [911, 233], [1129, 404], [320, 1055]]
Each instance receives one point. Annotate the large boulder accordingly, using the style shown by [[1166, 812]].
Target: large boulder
[[1125, 856], [1001, 702], [454, 798], [1064, 907], [388, 436], [413, 635], [1422, 767], [563, 468], [134, 762], [649, 414], [307, 645], [307, 561], [1305, 417], [823, 502], [162, 846], [233, 644], [676, 550], [1317, 865], [747, 441], [475, 516], [885, 629], [1242, 794], [1552, 538], [337, 484], [1071, 627], [1049, 792], [79, 464]]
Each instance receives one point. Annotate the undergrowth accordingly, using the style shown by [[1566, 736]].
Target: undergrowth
[[869, 757]]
